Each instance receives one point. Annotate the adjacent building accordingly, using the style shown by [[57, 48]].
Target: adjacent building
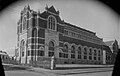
[[3, 55], [42, 35], [113, 45]]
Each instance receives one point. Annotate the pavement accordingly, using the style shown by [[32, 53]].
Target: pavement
[[81, 69], [62, 70]]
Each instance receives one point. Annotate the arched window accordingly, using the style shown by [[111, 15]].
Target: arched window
[[34, 32], [79, 50], [90, 51], [20, 28], [51, 49], [73, 49], [99, 53], [65, 48], [85, 51], [24, 23], [51, 45], [22, 47], [95, 52], [51, 23]]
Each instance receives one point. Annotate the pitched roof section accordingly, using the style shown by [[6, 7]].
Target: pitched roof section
[[52, 9], [109, 43], [79, 28]]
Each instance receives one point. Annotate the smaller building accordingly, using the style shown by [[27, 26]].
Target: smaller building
[[3, 55], [113, 45], [107, 55]]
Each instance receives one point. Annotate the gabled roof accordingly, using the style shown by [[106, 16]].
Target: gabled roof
[[52, 9], [109, 43]]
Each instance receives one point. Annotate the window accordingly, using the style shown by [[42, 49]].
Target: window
[[73, 49], [90, 57], [85, 51], [94, 58], [20, 28], [66, 32], [79, 50], [90, 51], [72, 55], [99, 53], [40, 53], [60, 55], [79, 56], [51, 45], [65, 48], [32, 53], [28, 53], [95, 52], [52, 23], [34, 32], [98, 58], [51, 49], [63, 55], [50, 54], [24, 23], [22, 47]]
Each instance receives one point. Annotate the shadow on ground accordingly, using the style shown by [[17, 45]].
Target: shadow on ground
[[11, 68], [67, 68]]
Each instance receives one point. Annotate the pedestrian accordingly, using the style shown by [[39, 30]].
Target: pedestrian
[[2, 73], [116, 69]]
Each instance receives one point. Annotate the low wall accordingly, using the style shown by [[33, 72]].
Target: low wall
[[9, 61], [43, 64]]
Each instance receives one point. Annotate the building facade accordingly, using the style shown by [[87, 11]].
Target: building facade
[[42, 35], [4, 55], [108, 55], [113, 45]]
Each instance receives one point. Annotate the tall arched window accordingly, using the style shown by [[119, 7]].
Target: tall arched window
[[24, 23], [73, 49], [51, 45], [22, 47], [99, 52], [65, 48], [51, 23], [34, 32], [79, 50], [20, 28], [95, 52], [90, 51], [85, 51], [51, 49]]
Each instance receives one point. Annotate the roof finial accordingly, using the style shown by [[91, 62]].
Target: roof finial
[[38, 12], [46, 7], [28, 7], [58, 12]]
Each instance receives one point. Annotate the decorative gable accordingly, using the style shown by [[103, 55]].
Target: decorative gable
[[52, 10]]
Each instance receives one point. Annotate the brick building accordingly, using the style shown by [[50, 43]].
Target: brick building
[[113, 45], [42, 35]]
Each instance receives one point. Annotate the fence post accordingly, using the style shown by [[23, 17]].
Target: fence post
[[53, 65]]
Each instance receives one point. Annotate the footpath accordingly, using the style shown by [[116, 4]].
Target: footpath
[[74, 69], [62, 69]]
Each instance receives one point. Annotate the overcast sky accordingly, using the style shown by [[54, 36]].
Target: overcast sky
[[90, 15]]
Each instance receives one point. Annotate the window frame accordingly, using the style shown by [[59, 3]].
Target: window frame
[[51, 23]]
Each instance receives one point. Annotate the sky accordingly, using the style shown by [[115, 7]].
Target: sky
[[88, 14]]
